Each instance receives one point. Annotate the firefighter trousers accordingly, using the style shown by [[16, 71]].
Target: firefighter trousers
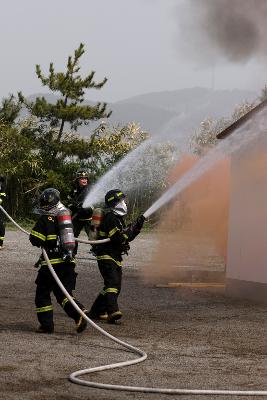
[[107, 300], [78, 226], [46, 284]]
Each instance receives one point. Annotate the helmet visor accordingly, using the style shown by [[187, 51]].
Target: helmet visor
[[121, 208]]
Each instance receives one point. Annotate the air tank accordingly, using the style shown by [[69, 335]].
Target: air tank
[[97, 218], [66, 234]]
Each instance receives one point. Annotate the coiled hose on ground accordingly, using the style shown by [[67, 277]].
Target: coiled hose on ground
[[142, 355]]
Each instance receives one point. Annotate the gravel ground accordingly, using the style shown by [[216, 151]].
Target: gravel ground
[[194, 338]]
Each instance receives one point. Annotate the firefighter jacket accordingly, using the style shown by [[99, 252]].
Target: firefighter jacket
[[45, 234], [114, 228], [2, 192], [76, 199]]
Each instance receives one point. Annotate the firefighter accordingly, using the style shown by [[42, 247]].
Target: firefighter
[[109, 255], [45, 234], [2, 221], [81, 218]]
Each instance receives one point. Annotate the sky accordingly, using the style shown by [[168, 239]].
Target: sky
[[141, 46]]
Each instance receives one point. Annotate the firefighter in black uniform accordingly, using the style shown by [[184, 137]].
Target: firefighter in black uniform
[[81, 217], [2, 220], [109, 255], [45, 234]]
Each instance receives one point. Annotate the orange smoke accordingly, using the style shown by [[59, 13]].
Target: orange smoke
[[193, 230]]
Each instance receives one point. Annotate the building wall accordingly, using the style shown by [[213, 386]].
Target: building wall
[[246, 269]]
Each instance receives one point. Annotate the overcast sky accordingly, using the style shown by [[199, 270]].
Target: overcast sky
[[141, 46]]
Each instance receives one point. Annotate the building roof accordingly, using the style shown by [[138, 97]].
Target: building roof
[[231, 128]]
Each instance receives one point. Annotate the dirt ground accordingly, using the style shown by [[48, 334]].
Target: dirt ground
[[194, 338]]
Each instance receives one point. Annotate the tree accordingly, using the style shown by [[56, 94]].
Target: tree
[[97, 153], [49, 149], [10, 109], [107, 145], [23, 167], [204, 137], [147, 178], [68, 108]]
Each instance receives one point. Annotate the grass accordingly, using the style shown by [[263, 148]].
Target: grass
[[26, 224]]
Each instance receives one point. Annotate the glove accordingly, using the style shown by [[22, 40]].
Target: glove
[[140, 222], [125, 248]]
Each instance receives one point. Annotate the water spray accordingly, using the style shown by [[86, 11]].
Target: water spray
[[246, 130], [230, 145], [142, 355], [145, 164]]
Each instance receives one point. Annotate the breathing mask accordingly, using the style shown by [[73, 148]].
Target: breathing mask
[[120, 208]]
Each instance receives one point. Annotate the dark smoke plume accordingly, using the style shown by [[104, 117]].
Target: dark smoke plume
[[232, 29]]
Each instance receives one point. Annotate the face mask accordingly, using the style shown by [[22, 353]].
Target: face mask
[[121, 208]]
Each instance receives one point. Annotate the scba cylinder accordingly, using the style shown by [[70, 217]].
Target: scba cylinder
[[97, 218], [66, 234]]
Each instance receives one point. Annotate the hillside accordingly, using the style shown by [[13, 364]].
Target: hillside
[[152, 111]]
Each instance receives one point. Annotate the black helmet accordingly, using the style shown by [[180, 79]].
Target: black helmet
[[82, 173], [49, 198], [113, 197]]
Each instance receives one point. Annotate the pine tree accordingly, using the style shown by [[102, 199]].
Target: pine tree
[[9, 110], [71, 88], [56, 148]]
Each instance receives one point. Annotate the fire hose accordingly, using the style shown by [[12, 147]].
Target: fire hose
[[142, 355]]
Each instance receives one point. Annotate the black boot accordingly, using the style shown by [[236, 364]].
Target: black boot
[[45, 329], [81, 324], [114, 317]]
